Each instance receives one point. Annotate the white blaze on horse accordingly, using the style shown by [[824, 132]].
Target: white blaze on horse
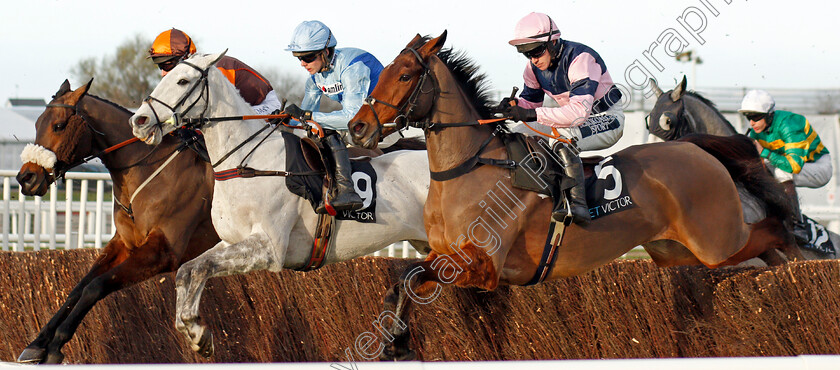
[[261, 223]]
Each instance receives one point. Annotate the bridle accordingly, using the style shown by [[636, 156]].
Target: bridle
[[64, 165], [406, 109], [176, 116], [683, 124]]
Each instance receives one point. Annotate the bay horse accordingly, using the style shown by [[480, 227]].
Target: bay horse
[[678, 113], [263, 226], [687, 209], [155, 233]]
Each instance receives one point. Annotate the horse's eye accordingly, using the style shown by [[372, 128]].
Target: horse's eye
[[183, 81], [405, 78], [59, 126]]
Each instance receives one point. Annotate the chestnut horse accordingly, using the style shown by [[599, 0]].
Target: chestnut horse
[[687, 209], [164, 230]]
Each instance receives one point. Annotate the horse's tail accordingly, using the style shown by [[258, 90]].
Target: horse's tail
[[738, 154], [406, 143]]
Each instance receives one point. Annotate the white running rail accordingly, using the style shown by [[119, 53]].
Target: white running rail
[[36, 223]]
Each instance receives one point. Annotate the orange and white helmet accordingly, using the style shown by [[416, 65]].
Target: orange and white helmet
[[533, 30], [171, 43]]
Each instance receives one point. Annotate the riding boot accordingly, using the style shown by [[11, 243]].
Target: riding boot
[[800, 229], [576, 199], [344, 196]]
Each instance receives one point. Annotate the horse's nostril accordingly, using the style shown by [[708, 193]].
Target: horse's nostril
[[357, 129], [25, 178], [140, 121]]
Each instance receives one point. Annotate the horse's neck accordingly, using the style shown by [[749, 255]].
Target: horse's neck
[[707, 119], [222, 137], [109, 126], [450, 147]]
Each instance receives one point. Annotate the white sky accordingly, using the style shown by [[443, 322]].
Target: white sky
[[756, 43]]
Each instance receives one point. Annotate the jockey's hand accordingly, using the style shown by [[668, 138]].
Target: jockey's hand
[[275, 121], [758, 146], [518, 113], [505, 104], [298, 113]]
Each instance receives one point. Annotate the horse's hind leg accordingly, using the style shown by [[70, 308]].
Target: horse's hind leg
[[112, 255], [143, 263], [253, 253]]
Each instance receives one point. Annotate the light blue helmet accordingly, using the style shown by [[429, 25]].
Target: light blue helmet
[[311, 36]]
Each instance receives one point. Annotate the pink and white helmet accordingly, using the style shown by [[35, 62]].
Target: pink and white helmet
[[534, 28]]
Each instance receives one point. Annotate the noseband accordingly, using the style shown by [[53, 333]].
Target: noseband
[[64, 165], [205, 92], [405, 110]]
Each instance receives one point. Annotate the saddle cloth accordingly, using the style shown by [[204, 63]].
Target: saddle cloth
[[606, 190], [818, 238], [311, 187]]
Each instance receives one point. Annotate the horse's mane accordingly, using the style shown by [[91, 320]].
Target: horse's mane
[[708, 102], [115, 105], [466, 72], [701, 98]]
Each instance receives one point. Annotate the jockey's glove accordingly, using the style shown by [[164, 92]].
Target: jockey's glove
[[298, 113], [505, 104], [518, 113]]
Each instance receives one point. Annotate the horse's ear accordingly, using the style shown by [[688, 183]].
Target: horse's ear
[[74, 97], [433, 46], [679, 91], [655, 88], [414, 41], [64, 89], [217, 57], [86, 88]]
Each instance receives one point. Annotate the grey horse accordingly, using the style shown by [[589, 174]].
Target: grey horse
[[680, 112]]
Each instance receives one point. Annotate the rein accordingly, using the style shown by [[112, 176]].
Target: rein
[[405, 110], [241, 170], [60, 173]]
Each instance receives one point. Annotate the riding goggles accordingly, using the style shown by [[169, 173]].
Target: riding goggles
[[309, 58], [535, 52], [166, 63], [755, 117]]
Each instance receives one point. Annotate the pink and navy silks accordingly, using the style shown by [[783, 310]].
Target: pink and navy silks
[[577, 80]]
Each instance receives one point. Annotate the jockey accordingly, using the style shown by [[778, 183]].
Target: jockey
[[789, 145], [346, 75], [575, 76], [173, 46]]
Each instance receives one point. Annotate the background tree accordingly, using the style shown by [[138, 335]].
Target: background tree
[[125, 77]]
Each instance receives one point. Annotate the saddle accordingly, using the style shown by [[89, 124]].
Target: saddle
[[538, 168], [528, 152], [304, 155]]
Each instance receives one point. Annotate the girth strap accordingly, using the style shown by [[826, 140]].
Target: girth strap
[[556, 231], [322, 243]]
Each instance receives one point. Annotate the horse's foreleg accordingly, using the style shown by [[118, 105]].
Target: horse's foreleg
[[416, 282], [112, 255], [143, 263], [253, 253]]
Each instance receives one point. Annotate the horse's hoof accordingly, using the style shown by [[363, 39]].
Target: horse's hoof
[[54, 358], [205, 344], [32, 355]]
